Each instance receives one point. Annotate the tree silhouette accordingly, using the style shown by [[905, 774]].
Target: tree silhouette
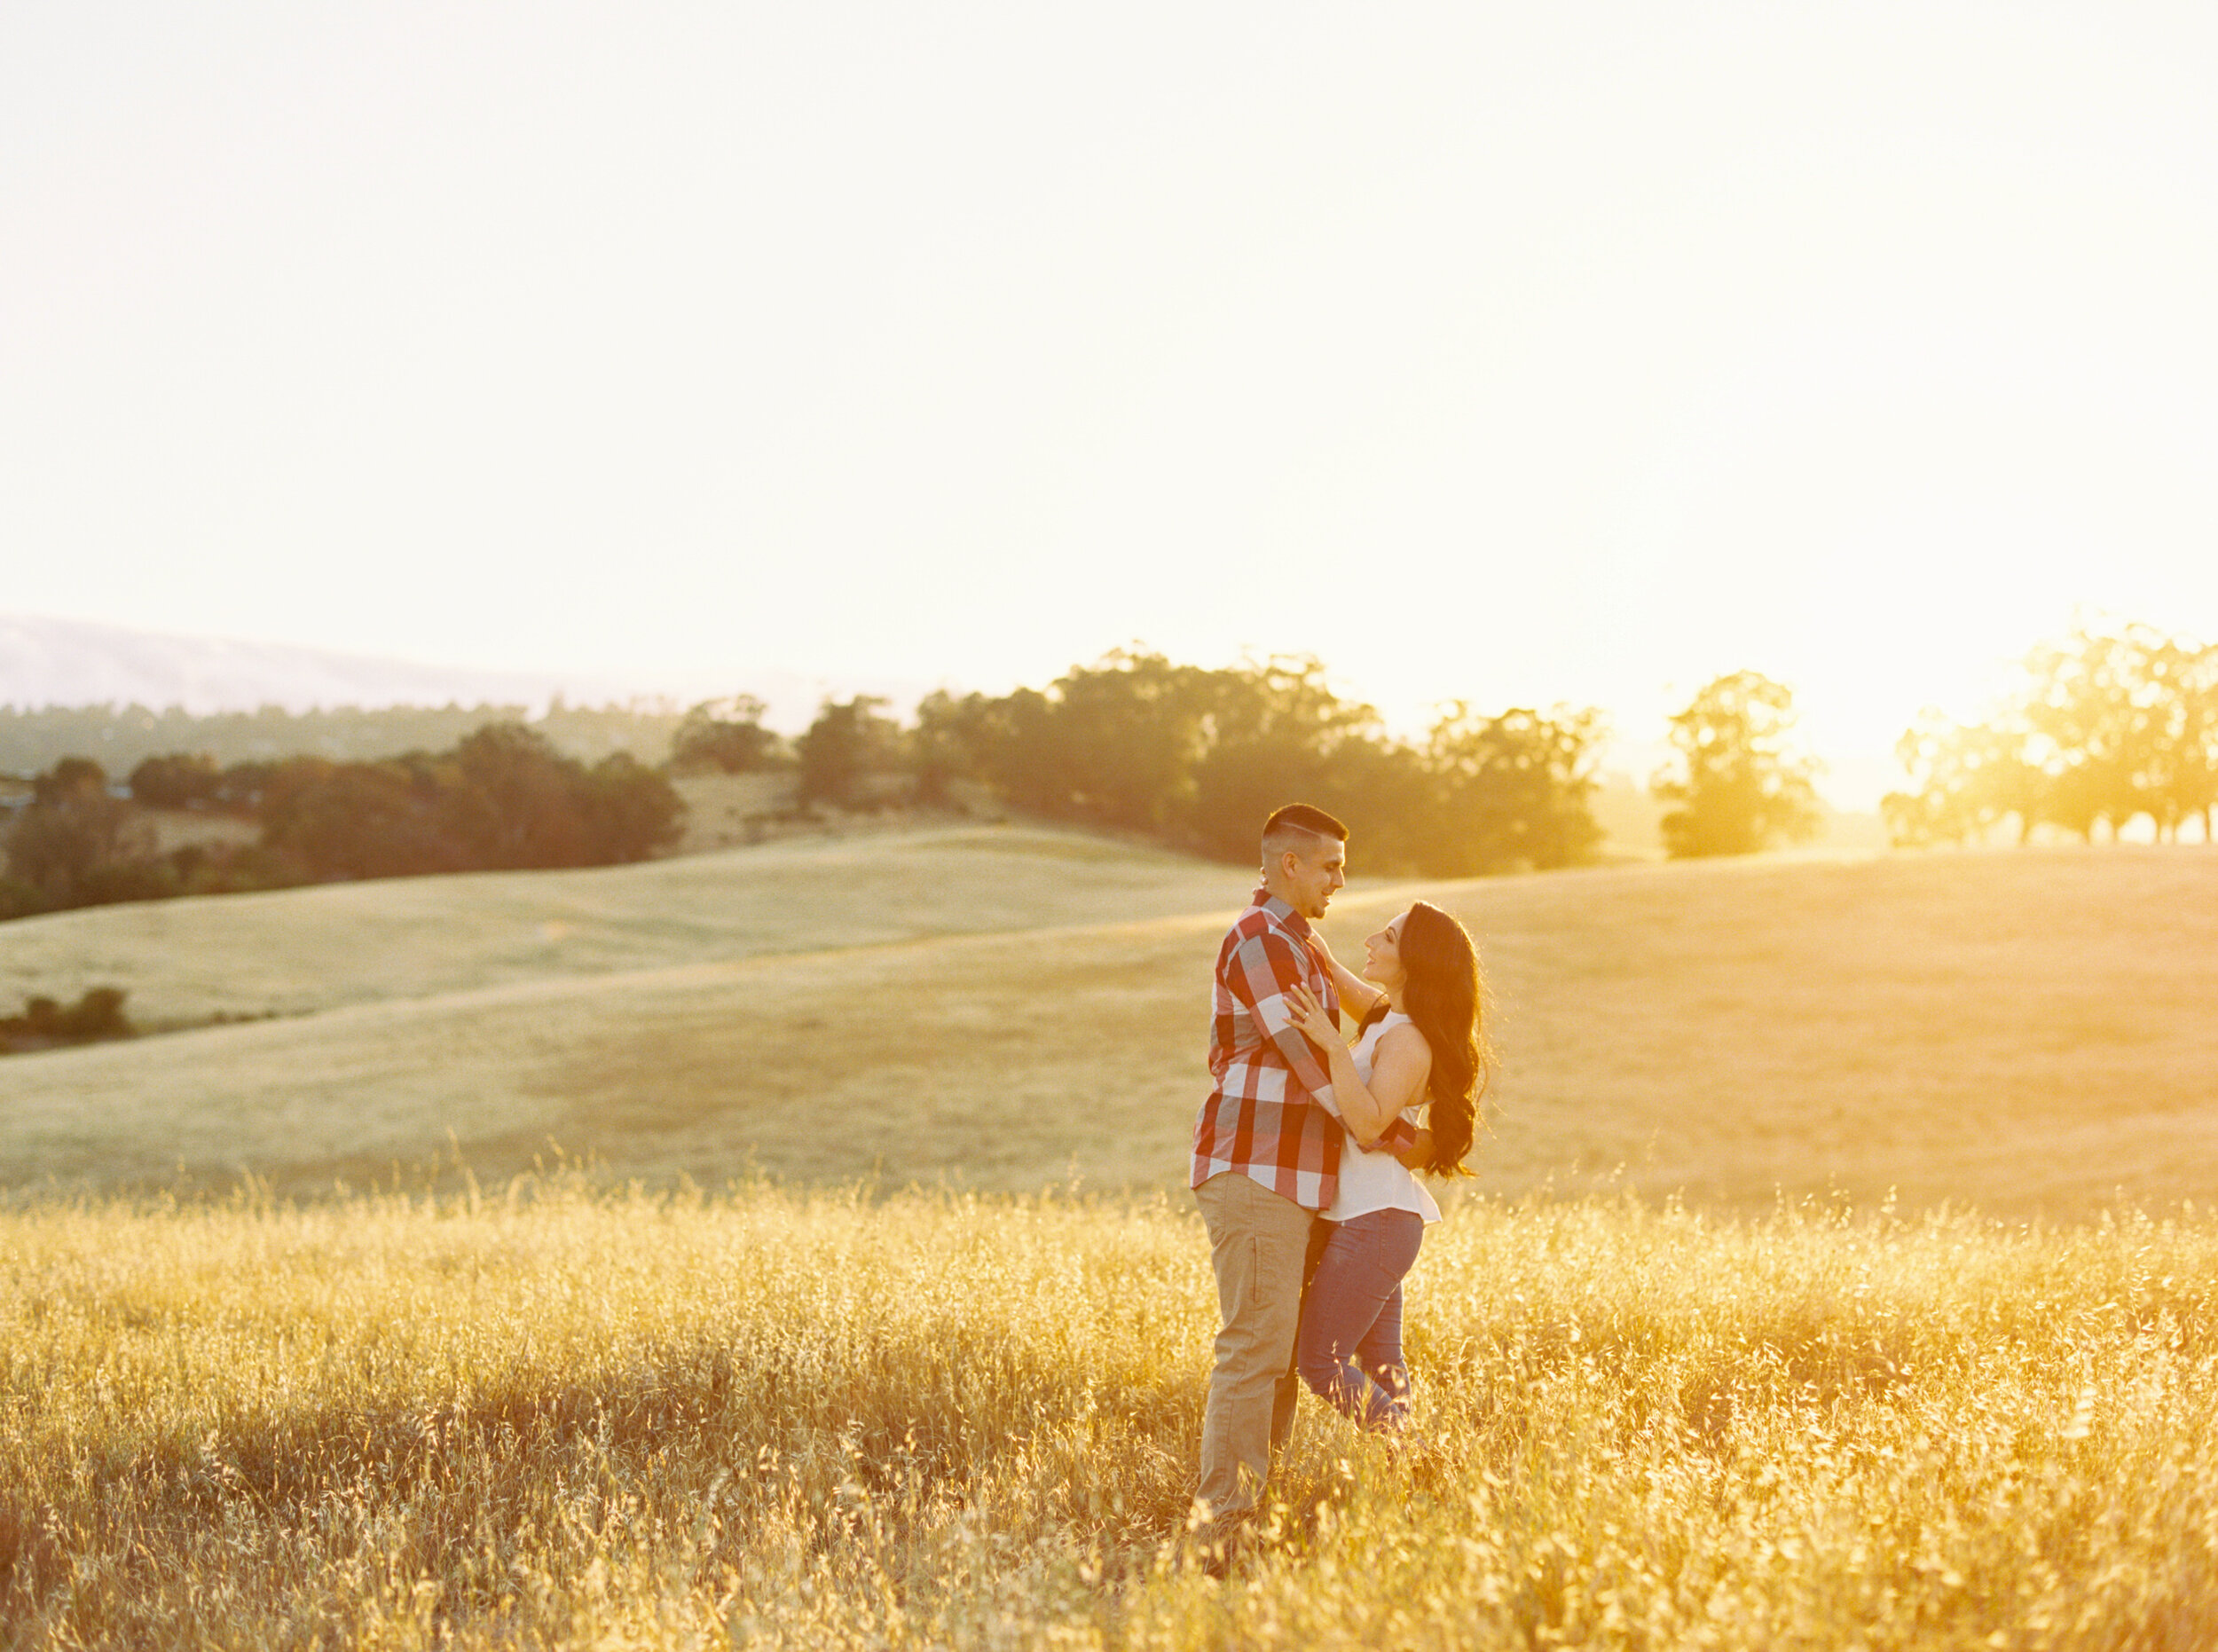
[[2192, 766], [1276, 731], [2088, 709], [2111, 723], [1127, 732], [175, 781], [724, 735], [1516, 789], [361, 819], [631, 812], [850, 742], [1970, 779], [76, 844], [1738, 787]]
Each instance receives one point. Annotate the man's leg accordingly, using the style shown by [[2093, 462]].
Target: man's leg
[[1258, 1242], [1288, 1395]]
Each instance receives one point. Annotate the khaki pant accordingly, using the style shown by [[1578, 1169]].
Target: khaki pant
[[1258, 1243]]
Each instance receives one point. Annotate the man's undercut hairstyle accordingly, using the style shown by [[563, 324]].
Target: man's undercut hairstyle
[[1301, 827]]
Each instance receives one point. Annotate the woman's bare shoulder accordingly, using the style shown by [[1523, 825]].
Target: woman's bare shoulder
[[1405, 1040]]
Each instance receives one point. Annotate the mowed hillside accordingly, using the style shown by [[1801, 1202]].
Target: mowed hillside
[[2032, 1033], [298, 950]]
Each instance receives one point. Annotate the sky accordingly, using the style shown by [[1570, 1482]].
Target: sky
[[1514, 354]]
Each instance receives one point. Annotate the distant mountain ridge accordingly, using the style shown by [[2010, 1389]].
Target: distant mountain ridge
[[49, 662]]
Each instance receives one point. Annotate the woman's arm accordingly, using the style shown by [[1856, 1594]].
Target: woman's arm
[[1398, 1069], [1416, 1154]]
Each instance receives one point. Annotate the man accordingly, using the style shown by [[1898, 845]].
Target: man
[[1266, 1158]]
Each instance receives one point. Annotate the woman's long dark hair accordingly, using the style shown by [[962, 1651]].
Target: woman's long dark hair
[[1445, 999]]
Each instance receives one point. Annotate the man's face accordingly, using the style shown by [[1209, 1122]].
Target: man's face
[[1313, 878]]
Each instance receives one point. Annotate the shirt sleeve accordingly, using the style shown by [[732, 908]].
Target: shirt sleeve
[[1263, 967]]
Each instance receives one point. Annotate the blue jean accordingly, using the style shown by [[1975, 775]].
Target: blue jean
[[1350, 1347]]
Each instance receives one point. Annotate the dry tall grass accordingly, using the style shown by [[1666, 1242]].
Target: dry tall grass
[[575, 1419]]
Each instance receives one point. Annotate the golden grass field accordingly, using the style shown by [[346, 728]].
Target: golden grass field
[[770, 1419], [2030, 1033], [557, 1410]]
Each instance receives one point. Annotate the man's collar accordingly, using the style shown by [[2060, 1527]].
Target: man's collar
[[1283, 913]]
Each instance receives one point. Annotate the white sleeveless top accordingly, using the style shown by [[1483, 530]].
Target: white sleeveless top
[[1379, 1180]]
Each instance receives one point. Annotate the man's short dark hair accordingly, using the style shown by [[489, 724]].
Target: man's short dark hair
[[1300, 827]]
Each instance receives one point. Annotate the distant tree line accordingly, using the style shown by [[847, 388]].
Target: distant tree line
[[501, 798], [118, 737], [1193, 757], [2111, 724]]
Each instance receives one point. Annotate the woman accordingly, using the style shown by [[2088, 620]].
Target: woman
[[1419, 1049]]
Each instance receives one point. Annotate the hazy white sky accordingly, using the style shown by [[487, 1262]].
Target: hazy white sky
[[1518, 353]]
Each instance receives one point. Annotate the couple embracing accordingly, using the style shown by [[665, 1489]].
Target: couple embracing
[[1304, 1152]]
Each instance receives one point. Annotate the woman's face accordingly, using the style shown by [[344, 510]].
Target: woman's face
[[1383, 954]]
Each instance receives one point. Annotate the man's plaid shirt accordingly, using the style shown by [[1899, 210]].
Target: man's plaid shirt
[[1271, 1115]]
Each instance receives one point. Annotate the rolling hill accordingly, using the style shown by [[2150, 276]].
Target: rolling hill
[[294, 951], [2028, 1032]]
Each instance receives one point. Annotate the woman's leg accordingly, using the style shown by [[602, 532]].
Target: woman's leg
[[1358, 1275], [1379, 1354]]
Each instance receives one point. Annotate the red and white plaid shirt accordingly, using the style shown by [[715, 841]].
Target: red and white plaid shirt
[[1271, 1115]]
